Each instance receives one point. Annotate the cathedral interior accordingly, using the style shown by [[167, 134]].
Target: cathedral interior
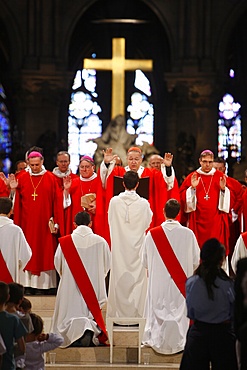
[[198, 55]]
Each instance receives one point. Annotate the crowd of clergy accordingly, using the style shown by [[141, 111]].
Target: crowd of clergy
[[64, 232]]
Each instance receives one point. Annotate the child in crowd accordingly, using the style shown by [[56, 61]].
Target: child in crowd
[[26, 306], [11, 329], [37, 343], [16, 295]]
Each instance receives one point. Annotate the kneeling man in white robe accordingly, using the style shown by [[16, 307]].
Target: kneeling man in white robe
[[170, 253], [82, 260]]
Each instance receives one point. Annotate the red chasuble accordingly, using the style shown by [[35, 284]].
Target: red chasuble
[[169, 258], [65, 215], [32, 211], [4, 192], [236, 204], [207, 221], [83, 282], [77, 190], [4, 271], [158, 196]]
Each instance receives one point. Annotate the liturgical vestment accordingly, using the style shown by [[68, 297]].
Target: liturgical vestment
[[161, 188], [71, 315], [240, 251], [129, 217], [80, 186], [165, 308], [14, 248], [207, 207], [35, 203]]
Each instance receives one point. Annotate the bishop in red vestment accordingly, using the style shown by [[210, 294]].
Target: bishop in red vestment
[[77, 192], [35, 203], [237, 192], [162, 186], [205, 199]]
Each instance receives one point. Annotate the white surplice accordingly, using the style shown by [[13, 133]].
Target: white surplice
[[240, 251], [71, 315], [14, 247], [129, 216], [165, 309]]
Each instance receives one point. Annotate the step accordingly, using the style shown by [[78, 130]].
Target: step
[[125, 354], [101, 355], [100, 366]]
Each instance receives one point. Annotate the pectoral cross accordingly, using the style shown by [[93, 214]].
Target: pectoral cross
[[118, 65], [206, 197], [34, 195]]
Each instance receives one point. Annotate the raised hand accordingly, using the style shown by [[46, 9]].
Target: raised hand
[[12, 183], [108, 156], [3, 177], [67, 181], [223, 182], [168, 157], [195, 180]]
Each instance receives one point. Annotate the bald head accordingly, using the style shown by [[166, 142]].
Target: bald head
[[155, 161]]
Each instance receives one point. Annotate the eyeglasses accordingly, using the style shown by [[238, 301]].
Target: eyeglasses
[[85, 167], [63, 161], [209, 162]]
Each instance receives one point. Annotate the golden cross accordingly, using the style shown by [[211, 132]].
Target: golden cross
[[34, 195], [118, 65]]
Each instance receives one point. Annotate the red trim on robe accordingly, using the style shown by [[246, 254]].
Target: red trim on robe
[[83, 282], [169, 258]]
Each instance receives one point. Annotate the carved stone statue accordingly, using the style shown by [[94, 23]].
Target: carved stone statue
[[116, 137]]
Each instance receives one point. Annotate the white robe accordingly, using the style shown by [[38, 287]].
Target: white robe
[[240, 251], [14, 247], [71, 315], [129, 216], [165, 309]]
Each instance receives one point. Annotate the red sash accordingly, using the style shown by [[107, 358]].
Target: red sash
[[83, 282], [244, 236], [169, 258], [4, 271]]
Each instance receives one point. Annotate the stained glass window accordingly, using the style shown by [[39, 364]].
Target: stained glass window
[[140, 119], [229, 128], [5, 134], [84, 123]]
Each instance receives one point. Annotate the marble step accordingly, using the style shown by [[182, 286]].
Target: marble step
[[101, 355], [99, 366]]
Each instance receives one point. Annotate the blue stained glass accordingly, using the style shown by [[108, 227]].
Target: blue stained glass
[[229, 128], [5, 134], [84, 123], [141, 112]]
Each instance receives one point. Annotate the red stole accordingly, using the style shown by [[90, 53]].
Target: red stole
[[244, 236], [83, 282], [4, 271], [169, 258]]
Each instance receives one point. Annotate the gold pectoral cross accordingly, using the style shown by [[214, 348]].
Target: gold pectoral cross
[[118, 65], [34, 195]]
